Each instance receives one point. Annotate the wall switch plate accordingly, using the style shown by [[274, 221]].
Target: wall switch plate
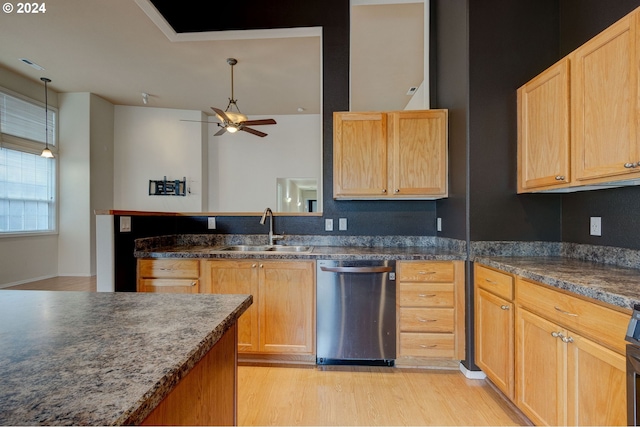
[[342, 224], [125, 224], [438, 224], [328, 224], [595, 229], [211, 223]]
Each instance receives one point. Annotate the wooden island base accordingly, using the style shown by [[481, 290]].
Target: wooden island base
[[208, 394]]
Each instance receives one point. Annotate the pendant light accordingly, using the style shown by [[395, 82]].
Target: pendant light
[[46, 152]]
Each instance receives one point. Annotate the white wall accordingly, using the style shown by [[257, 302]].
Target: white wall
[[151, 143], [243, 168]]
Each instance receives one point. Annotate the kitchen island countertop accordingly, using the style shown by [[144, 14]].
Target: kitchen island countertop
[[84, 358]]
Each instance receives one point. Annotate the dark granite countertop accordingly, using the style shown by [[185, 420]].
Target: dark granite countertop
[[612, 284], [317, 252], [84, 358]]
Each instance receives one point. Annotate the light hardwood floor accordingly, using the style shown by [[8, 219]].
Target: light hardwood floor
[[338, 395], [368, 396], [60, 283]]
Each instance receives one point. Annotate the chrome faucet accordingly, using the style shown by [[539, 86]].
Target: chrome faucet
[[272, 237]]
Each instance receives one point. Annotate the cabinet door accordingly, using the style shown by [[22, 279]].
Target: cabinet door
[[540, 370], [359, 154], [543, 129], [596, 384], [494, 330], [418, 153], [604, 110], [237, 277], [287, 306]]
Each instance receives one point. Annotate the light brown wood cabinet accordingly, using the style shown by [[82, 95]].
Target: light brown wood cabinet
[[560, 358], [390, 155], [169, 275], [494, 327], [567, 373], [282, 317], [430, 312], [578, 120], [543, 130], [279, 325]]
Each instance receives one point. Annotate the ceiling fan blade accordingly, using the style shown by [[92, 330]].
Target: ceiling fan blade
[[220, 132], [253, 131], [259, 122], [199, 121], [221, 114]]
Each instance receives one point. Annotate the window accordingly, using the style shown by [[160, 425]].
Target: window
[[27, 181]]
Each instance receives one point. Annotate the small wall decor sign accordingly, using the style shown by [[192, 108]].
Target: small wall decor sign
[[168, 187]]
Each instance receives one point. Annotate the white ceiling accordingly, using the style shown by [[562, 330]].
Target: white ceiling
[[118, 49]]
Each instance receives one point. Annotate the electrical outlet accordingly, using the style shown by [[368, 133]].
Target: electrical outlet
[[211, 223], [328, 224], [125, 224], [438, 224], [342, 224], [595, 228]]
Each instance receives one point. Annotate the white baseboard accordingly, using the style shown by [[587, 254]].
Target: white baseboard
[[472, 375]]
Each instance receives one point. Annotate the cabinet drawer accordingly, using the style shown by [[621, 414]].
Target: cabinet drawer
[[433, 271], [426, 295], [427, 345], [426, 319], [494, 281], [604, 325], [167, 268], [173, 286]]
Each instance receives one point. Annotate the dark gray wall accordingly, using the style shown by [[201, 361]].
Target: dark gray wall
[[581, 20]]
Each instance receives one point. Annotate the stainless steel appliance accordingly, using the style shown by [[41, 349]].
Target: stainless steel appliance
[[356, 312], [633, 368]]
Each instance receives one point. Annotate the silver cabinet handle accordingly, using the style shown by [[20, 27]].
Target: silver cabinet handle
[[504, 307], [426, 296], [556, 334], [425, 320], [428, 346], [384, 190], [567, 340], [560, 177], [253, 265], [630, 165], [565, 312], [397, 190], [426, 272]]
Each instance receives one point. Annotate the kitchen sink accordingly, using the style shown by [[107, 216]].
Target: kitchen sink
[[266, 248]]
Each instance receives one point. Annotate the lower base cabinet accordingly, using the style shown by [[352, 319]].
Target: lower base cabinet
[[430, 313], [281, 319], [566, 379], [278, 326], [569, 364]]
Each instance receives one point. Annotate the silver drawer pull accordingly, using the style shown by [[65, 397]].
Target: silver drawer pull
[[505, 307], [426, 296], [565, 312], [490, 281], [425, 320], [630, 165], [428, 346], [567, 340], [426, 272], [560, 177]]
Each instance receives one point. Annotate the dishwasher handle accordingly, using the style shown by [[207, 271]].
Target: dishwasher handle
[[372, 269]]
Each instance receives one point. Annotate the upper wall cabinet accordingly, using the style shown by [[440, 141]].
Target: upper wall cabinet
[[578, 120], [390, 155]]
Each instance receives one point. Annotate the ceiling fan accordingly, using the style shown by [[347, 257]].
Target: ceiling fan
[[232, 120]]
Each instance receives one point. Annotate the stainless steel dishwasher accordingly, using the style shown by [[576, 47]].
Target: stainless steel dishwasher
[[356, 312]]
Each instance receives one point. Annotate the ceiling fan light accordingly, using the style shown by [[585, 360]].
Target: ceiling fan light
[[232, 129], [236, 117]]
